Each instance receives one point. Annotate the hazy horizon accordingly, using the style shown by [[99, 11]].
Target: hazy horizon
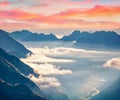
[[61, 33]]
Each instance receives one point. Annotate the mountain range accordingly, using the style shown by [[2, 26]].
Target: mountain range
[[26, 35], [12, 46], [107, 39]]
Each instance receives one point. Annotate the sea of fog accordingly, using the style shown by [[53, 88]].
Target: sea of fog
[[78, 73]]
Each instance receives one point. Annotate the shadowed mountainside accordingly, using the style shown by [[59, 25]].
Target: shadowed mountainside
[[12, 80], [12, 46], [16, 92], [22, 67]]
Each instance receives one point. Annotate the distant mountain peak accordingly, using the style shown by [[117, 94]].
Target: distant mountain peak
[[26, 35], [76, 32], [26, 31], [98, 38]]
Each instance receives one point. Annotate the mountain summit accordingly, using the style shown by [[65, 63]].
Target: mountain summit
[[26, 35], [108, 39]]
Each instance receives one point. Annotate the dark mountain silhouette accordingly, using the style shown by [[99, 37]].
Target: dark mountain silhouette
[[20, 35], [108, 39], [98, 38], [26, 35], [12, 46], [74, 36], [111, 93], [16, 92], [22, 67], [12, 79]]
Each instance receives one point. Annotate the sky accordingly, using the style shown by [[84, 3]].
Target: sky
[[59, 15]]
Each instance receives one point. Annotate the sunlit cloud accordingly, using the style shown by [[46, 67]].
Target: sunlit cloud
[[51, 75], [95, 13], [14, 21], [45, 82], [46, 72], [65, 51], [42, 5], [113, 63], [97, 17], [60, 55], [42, 58], [49, 69], [17, 14], [4, 3]]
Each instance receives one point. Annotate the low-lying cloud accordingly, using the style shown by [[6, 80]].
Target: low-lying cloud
[[43, 58], [46, 73], [113, 63], [45, 81], [63, 50], [61, 54], [49, 69], [40, 63], [40, 56]]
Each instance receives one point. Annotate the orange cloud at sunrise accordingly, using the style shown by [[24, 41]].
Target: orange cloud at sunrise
[[5, 3], [91, 17]]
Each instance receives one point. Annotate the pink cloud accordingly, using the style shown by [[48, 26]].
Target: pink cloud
[[18, 15], [5, 3], [92, 12], [43, 5], [114, 63], [70, 18]]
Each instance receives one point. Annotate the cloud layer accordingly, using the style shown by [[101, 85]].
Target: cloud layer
[[42, 58], [64, 54], [64, 50], [67, 14], [113, 63], [45, 82], [46, 73], [49, 69], [46, 70]]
